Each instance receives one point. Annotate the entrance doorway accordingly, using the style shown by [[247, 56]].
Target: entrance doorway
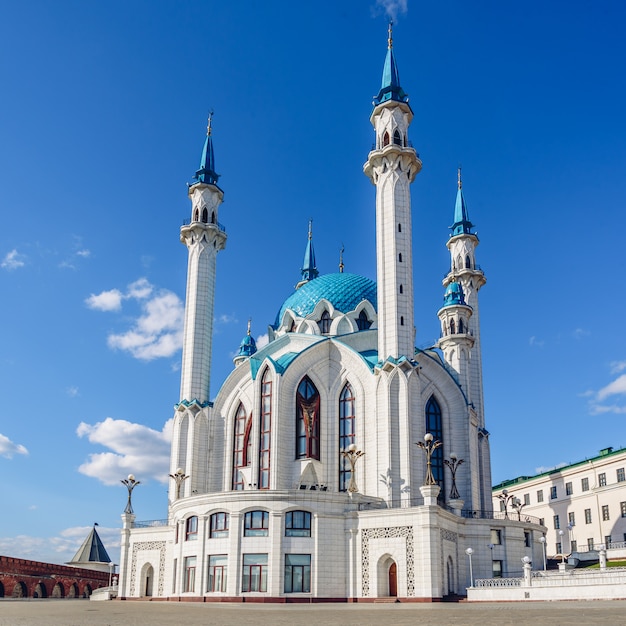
[[393, 580]]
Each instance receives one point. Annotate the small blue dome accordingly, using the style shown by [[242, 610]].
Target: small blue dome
[[454, 295], [247, 346], [343, 291]]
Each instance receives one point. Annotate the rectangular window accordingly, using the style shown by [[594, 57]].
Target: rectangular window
[[502, 506], [605, 513], [526, 499], [542, 521], [590, 543], [574, 545], [553, 493], [571, 519], [584, 484], [587, 516], [298, 524], [569, 490], [527, 539], [174, 573], [621, 477], [217, 572], [254, 572], [496, 536], [190, 573], [558, 547], [607, 541], [602, 480], [191, 528], [265, 431], [256, 524], [297, 573], [219, 525], [622, 508], [496, 569], [557, 523], [540, 495]]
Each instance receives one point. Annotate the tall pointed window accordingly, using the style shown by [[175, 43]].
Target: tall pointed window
[[386, 139], [347, 432], [452, 328], [241, 446], [205, 215], [307, 420], [468, 263], [435, 428], [265, 431], [362, 322], [324, 323], [396, 138]]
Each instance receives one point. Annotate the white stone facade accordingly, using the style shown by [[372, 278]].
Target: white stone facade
[[267, 506]]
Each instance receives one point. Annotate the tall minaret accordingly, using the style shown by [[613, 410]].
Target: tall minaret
[[391, 166], [204, 238]]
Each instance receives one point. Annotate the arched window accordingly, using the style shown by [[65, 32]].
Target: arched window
[[347, 432], [401, 290], [191, 528], [213, 217], [385, 139], [452, 328], [195, 215], [399, 228], [256, 524], [434, 426], [400, 257], [362, 323], [265, 431], [219, 525], [468, 263], [297, 524], [460, 326], [307, 420], [241, 446], [459, 262], [402, 320], [205, 215], [324, 323], [397, 140]]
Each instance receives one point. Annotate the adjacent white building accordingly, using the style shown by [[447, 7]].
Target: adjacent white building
[[582, 505], [264, 502]]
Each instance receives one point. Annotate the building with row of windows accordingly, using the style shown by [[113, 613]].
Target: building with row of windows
[[582, 505], [303, 479]]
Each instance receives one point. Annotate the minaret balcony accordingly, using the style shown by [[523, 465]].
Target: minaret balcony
[[220, 227]]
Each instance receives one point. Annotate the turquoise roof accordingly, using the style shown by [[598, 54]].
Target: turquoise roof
[[309, 268], [206, 174], [390, 88], [462, 225], [343, 291], [454, 295], [247, 346]]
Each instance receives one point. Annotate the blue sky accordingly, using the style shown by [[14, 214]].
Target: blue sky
[[104, 111]]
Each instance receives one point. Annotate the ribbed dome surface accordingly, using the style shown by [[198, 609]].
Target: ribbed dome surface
[[343, 291]]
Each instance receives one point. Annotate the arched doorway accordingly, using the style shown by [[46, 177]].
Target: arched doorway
[[19, 591], [393, 580], [40, 591], [450, 577], [58, 591], [72, 592], [1, 590], [147, 577], [87, 590]]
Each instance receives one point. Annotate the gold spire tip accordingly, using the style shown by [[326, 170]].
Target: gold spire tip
[[311, 228], [210, 120], [341, 259], [249, 325], [460, 182], [390, 35]]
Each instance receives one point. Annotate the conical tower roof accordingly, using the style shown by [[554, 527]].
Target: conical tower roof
[[92, 551]]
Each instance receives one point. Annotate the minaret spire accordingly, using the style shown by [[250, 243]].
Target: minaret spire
[[341, 259], [309, 269], [392, 167]]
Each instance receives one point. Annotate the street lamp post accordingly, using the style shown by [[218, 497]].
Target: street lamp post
[[469, 553], [179, 478], [453, 465], [130, 484], [561, 533], [352, 455], [505, 498], [429, 446], [542, 539], [518, 506]]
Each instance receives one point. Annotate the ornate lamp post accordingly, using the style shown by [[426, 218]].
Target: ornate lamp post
[[469, 553], [179, 478], [429, 446], [453, 465], [543, 543], [130, 484], [561, 533], [518, 506], [505, 498], [352, 454]]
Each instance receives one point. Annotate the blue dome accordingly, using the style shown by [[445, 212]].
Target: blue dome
[[343, 291], [247, 346], [454, 295]]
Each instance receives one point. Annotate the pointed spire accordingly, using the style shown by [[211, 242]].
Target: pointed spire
[[390, 88], [309, 269], [462, 224], [206, 174], [247, 347], [341, 259]]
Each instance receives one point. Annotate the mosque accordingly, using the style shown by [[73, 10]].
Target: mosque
[[338, 462]]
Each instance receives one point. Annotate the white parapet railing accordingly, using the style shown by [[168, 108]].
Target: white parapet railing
[[499, 582]]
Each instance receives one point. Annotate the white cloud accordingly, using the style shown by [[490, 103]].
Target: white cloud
[[615, 391], [262, 340], [134, 449], [578, 333], [225, 318], [393, 8], [140, 289], [158, 332], [617, 387], [618, 366], [533, 341], [13, 260], [72, 391], [541, 469], [83, 253], [8, 448], [60, 548], [105, 301]]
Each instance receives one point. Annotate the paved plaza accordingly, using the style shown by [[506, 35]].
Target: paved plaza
[[117, 613]]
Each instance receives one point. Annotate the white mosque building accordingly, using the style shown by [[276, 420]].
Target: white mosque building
[[303, 479]]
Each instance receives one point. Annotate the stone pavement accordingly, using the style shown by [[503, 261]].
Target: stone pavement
[[117, 613]]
